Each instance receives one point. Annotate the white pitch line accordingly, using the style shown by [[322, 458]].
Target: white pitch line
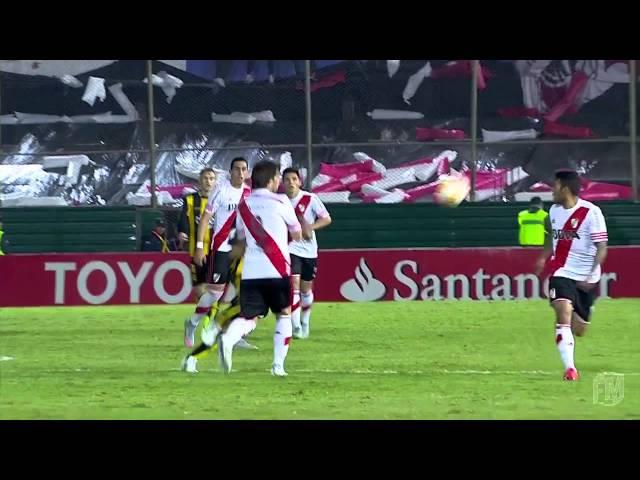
[[430, 372], [374, 372], [445, 371], [6, 359]]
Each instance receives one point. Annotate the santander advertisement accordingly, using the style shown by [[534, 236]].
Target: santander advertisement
[[343, 275]]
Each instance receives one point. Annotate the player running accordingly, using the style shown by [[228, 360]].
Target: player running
[[221, 206], [264, 222], [304, 253], [228, 311], [577, 237]]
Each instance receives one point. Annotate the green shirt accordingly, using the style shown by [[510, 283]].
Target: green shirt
[[532, 227]]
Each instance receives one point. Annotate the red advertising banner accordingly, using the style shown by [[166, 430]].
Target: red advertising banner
[[343, 275], [461, 273], [94, 279]]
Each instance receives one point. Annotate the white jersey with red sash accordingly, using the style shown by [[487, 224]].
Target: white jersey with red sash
[[310, 208], [265, 220], [575, 234], [223, 203]]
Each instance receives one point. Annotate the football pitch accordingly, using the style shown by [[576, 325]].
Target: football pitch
[[388, 360]]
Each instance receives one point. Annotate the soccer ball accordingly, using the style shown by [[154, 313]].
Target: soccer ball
[[452, 191]]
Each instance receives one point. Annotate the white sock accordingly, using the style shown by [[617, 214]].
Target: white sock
[[238, 329], [281, 339], [204, 304], [295, 309], [565, 344], [306, 300]]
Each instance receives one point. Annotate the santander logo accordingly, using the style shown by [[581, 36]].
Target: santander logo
[[365, 287]]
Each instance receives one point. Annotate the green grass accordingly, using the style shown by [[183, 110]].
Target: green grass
[[417, 360]]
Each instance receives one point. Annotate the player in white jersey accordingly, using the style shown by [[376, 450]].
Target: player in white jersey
[[221, 205], [264, 223], [577, 239], [304, 253]]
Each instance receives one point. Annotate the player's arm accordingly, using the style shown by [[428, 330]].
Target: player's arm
[[601, 255], [320, 223], [323, 219], [548, 246], [599, 236], [293, 224]]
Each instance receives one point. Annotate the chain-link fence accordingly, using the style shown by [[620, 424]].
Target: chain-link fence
[[381, 131]]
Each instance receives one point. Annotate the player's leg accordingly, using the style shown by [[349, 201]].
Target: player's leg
[[212, 293], [228, 311], [224, 315], [579, 326], [306, 302], [562, 294], [308, 274], [583, 308], [211, 330], [277, 292], [252, 305], [229, 315], [296, 270], [190, 362], [217, 276], [229, 306], [309, 271]]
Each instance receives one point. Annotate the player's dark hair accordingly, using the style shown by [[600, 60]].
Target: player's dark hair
[[238, 159], [291, 170], [569, 179], [262, 173], [207, 170]]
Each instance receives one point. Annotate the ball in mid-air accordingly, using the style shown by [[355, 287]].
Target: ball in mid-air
[[452, 191]]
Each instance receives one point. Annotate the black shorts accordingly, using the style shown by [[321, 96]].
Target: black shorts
[[561, 287], [307, 268], [219, 268], [263, 294], [198, 274]]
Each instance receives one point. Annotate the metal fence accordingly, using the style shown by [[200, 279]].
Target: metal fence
[[165, 116]]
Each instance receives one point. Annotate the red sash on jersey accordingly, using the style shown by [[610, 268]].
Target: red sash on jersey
[[302, 205], [300, 209], [563, 245], [225, 230], [268, 244]]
